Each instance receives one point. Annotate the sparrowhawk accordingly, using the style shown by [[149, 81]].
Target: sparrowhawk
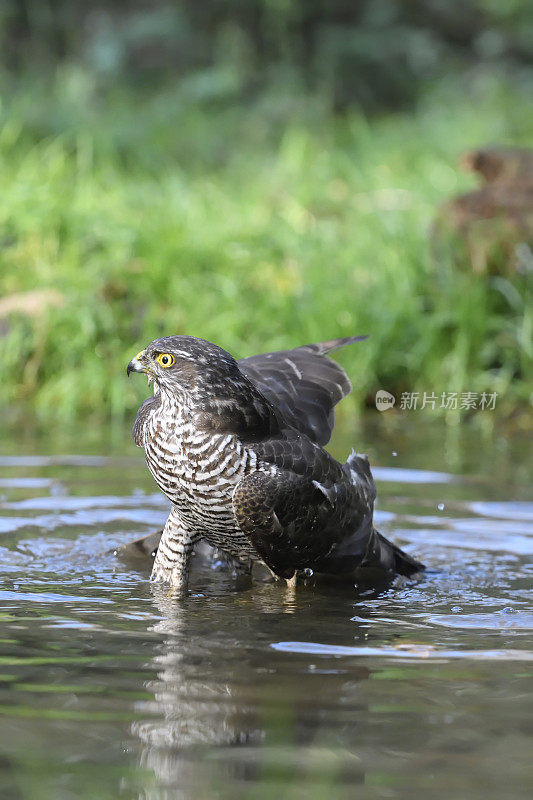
[[237, 447]]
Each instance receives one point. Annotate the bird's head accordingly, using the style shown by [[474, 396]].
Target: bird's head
[[184, 364], [208, 380]]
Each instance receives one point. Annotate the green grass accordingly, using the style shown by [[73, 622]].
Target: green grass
[[256, 227]]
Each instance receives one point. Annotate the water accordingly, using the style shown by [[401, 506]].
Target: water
[[110, 689]]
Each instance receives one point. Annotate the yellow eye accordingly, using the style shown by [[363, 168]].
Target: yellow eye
[[165, 360]]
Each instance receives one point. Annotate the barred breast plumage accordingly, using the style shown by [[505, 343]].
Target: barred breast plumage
[[198, 471], [236, 447]]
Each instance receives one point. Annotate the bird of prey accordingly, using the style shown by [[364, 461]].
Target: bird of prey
[[237, 447]]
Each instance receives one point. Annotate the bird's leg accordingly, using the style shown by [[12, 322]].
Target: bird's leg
[[291, 582], [290, 590], [174, 553]]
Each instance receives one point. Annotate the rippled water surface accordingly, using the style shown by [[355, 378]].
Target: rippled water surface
[[111, 689]]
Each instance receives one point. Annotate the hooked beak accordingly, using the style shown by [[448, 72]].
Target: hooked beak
[[135, 364]]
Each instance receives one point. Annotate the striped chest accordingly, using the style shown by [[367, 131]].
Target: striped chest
[[198, 471]]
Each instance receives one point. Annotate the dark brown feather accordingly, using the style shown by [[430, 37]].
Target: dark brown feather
[[303, 384]]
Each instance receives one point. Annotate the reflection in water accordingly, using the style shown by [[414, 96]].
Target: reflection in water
[[111, 689], [191, 708], [209, 703]]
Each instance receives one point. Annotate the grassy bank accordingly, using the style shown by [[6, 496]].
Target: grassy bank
[[257, 228]]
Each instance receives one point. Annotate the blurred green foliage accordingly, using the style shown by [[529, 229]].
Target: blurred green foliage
[[183, 167], [152, 214], [378, 53]]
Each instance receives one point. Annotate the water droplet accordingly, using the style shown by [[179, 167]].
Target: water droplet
[[441, 506], [308, 572], [456, 609]]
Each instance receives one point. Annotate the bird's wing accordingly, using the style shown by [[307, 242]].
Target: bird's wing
[[254, 502], [145, 409], [309, 512], [303, 384]]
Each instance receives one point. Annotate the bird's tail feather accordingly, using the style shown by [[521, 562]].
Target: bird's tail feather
[[389, 556]]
